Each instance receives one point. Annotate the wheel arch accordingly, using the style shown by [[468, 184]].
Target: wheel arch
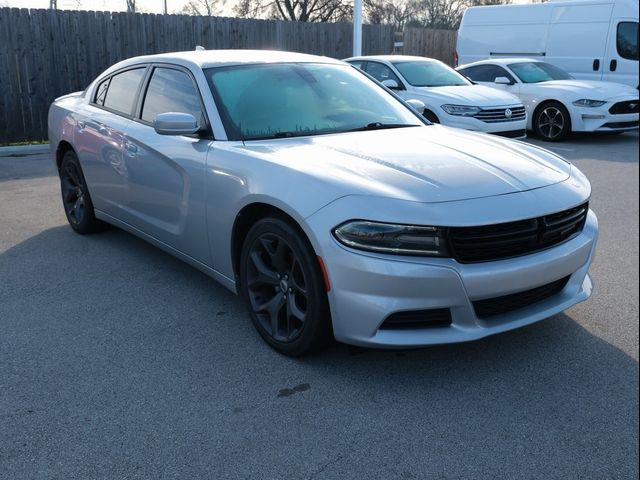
[[248, 216], [62, 148]]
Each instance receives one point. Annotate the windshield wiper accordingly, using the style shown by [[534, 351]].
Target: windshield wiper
[[379, 126]]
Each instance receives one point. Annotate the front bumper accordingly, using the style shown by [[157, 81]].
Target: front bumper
[[366, 288], [506, 128], [600, 120]]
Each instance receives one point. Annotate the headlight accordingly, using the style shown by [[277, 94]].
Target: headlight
[[585, 102], [461, 110], [392, 238]]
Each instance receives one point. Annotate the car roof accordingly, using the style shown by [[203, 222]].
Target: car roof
[[391, 58], [501, 61], [218, 58]]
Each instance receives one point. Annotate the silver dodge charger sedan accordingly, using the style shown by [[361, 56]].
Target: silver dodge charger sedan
[[321, 198]]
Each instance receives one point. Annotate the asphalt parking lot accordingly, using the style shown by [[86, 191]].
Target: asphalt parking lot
[[119, 361]]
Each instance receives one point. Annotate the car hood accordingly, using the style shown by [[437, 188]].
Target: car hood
[[425, 164], [474, 95], [591, 89]]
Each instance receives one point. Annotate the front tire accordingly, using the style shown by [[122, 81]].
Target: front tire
[[552, 122], [283, 288], [76, 200]]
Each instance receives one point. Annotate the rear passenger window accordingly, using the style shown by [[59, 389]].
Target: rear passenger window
[[627, 40], [121, 91], [171, 91], [101, 92]]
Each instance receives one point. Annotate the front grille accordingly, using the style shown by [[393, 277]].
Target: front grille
[[437, 317], [621, 124], [512, 133], [504, 240], [493, 115], [621, 108], [508, 303]]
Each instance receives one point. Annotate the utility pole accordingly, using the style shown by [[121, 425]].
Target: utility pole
[[357, 28], [165, 7]]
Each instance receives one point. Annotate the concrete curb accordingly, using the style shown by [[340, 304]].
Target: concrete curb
[[23, 150]]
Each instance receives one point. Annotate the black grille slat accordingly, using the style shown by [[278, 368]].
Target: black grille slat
[[508, 303], [621, 108], [437, 317], [499, 241]]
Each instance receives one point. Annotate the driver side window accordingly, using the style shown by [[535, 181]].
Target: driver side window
[[171, 91], [381, 72]]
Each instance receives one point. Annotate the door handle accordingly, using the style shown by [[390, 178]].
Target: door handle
[[613, 65], [596, 65], [131, 149]]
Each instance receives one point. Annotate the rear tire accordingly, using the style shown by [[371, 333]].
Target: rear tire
[[76, 200], [552, 122], [283, 288]]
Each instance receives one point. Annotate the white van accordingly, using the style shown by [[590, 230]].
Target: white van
[[590, 39]]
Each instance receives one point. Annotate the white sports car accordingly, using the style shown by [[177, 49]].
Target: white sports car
[[558, 104], [449, 98]]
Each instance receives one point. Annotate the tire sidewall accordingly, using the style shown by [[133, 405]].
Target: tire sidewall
[[566, 128], [89, 223], [315, 328]]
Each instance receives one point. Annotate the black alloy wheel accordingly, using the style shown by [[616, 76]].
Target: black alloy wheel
[[283, 287], [75, 197], [552, 122]]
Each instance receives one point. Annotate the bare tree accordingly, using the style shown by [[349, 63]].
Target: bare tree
[[296, 10], [203, 7], [391, 12], [131, 6]]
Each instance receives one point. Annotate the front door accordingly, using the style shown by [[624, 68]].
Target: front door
[[165, 182]]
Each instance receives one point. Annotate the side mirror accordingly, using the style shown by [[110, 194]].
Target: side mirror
[[174, 123], [417, 105], [391, 84], [503, 81]]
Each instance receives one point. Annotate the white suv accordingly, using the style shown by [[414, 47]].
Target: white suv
[[450, 98]]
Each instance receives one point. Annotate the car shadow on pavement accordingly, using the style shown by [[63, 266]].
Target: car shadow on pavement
[[108, 329]]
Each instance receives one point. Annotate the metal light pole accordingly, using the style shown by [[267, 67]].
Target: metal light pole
[[165, 7], [357, 28]]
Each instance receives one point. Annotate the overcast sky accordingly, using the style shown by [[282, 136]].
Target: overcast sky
[[152, 6]]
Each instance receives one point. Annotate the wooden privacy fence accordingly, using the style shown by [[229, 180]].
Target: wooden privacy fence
[[47, 53]]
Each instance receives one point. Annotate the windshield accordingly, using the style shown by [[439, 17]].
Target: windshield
[[299, 99], [536, 72], [430, 74]]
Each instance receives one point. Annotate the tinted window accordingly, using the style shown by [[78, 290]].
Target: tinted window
[[288, 100], [101, 92], [122, 90], [429, 74], [485, 73], [381, 72], [536, 72], [627, 40], [358, 64], [171, 91]]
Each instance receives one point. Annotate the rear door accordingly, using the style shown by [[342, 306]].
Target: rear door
[[99, 138], [166, 186]]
